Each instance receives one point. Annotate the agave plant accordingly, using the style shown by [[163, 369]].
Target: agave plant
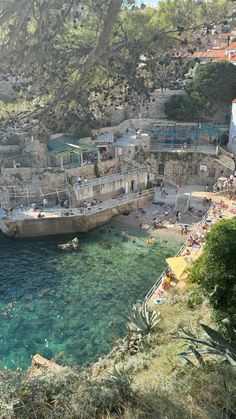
[[212, 343], [142, 320], [120, 377]]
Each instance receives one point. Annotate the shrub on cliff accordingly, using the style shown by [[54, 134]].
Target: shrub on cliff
[[96, 170], [215, 270]]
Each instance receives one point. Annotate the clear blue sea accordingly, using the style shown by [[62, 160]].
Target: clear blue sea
[[73, 304]]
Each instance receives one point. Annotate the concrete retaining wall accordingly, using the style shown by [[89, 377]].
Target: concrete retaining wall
[[5, 149], [189, 168], [66, 225]]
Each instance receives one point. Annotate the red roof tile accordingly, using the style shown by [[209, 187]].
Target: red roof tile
[[232, 45], [219, 44], [211, 53], [225, 35]]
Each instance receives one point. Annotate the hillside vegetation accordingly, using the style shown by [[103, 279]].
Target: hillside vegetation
[[173, 363], [153, 383]]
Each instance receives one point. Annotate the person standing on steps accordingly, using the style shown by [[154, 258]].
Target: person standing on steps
[[163, 194], [177, 216]]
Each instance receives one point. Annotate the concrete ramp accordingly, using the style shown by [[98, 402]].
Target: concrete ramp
[[182, 203], [226, 161]]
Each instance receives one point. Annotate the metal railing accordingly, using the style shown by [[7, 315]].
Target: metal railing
[[180, 251], [109, 178], [180, 148], [131, 161], [101, 206], [160, 176]]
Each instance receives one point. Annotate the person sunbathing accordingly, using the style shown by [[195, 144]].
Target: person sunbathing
[[190, 241], [186, 252]]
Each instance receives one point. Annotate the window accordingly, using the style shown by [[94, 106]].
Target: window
[[194, 169], [212, 172], [177, 170], [161, 169]]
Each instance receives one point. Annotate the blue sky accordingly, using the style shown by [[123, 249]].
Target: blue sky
[[147, 2]]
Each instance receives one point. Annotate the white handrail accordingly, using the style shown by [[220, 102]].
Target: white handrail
[[163, 274], [179, 148], [98, 207], [109, 178]]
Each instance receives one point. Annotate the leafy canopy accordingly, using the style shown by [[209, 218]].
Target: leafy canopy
[[215, 270], [215, 81], [81, 58]]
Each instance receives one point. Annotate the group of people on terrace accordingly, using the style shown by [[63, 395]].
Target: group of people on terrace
[[226, 184], [192, 246], [80, 180], [87, 206]]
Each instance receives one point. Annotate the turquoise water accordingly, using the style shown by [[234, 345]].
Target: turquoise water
[[71, 303]]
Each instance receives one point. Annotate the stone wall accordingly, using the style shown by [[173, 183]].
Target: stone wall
[[142, 124], [153, 109], [7, 149], [185, 168], [25, 176], [64, 225], [38, 152], [54, 177], [129, 183], [87, 171]]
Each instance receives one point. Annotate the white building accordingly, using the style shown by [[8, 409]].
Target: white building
[[232, 132]]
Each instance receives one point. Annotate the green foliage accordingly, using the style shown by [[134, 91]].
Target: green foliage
[[213, 84], [78, 63], [212, 343], [190, 107], [215, 270], [120, 377], [13, 140], [214, 81], [142, 319], [18, 177], [180, 108], [194, 297], [96, 170]]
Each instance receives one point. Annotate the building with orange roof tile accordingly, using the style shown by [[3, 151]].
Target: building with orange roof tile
[[222, 49]]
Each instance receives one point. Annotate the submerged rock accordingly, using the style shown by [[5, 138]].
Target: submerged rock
[[105, 245], [105, 294]]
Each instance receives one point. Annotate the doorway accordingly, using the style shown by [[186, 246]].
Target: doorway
[[133, 185]]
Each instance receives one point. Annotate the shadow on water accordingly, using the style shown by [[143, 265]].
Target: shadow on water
[[71, 302]]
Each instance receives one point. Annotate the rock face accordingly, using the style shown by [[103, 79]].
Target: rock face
[[7, 94], [41, 365], [191, 168]]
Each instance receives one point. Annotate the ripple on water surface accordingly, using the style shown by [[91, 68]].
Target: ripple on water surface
[[72, 303]]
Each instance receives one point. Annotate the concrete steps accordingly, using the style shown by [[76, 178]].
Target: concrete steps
[[226, 162], [4, 200]]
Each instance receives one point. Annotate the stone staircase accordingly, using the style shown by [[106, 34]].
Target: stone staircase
[[226, 161], [4, 199], [152, 171]]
